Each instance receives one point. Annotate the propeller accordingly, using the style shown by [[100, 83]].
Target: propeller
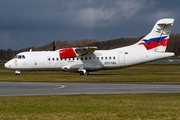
[[53, 44]]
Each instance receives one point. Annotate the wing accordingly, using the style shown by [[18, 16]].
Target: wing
[[75, 52], [85, 50]]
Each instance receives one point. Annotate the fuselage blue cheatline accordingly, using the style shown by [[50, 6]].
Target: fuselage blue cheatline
[[86, 59]]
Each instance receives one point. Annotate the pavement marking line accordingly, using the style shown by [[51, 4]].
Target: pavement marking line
[[59, 87]]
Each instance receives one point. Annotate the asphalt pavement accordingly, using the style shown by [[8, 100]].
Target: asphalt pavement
[[34, 88]]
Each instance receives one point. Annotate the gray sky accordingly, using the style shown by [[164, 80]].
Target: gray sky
[[26, 23]]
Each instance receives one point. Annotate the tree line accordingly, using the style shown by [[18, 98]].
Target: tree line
[[173, 45]]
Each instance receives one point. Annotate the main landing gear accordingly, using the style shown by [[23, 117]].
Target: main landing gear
[[83, 72]]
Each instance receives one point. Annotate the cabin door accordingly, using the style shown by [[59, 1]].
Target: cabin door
[[121, 59]]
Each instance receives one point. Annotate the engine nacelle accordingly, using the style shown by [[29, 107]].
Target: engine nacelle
[[81, 67]]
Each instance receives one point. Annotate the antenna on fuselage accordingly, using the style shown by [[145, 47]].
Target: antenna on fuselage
[[53, 44]]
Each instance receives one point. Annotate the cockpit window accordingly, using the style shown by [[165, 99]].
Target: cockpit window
[[19, 57], [23, 56], [16, 56]]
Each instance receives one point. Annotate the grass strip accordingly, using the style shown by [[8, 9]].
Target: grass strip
[[114, 107], [140, 73]]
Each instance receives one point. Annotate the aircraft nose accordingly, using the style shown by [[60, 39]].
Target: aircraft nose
[[7, 65]]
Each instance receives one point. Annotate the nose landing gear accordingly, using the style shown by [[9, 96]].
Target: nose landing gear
[[17, 72]]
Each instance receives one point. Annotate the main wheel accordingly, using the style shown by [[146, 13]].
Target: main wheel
[[81, 73]]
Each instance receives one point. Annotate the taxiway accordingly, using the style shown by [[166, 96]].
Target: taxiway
[[34, 88]]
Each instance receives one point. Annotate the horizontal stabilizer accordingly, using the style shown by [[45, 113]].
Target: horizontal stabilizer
[[165, 22]]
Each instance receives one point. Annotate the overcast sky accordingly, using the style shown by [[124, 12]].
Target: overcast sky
[[26, 23]]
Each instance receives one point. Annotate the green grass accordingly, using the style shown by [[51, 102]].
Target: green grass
[[88, 107], [140, 73], [94, 107]]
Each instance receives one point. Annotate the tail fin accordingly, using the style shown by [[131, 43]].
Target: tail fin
[[157, 39]]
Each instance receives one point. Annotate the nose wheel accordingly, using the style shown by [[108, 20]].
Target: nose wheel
[[17, 72]]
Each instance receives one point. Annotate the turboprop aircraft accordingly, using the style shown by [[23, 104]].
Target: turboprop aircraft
[[86, 59]]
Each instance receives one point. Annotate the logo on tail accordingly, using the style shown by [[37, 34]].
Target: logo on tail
[[159, 30]]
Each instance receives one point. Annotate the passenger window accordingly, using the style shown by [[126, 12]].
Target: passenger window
[[114, 58], [77, 58], [49, 59], [109, 58], [105, 58], [101, 58], [85, 58], [89, 58], [57, 59], [53, 59], [97, 58], [81, 58]]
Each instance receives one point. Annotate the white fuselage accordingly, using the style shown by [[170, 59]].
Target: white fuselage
[[99, 60]]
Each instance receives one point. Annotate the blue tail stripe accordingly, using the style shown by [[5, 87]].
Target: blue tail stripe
[[158, 39]]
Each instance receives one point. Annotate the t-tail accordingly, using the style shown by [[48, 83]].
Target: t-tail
[[157, 39]]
